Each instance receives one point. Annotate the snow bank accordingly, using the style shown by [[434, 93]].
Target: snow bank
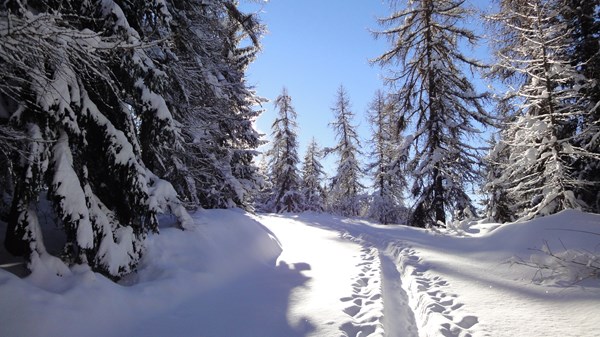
[[179, 268], [224, 243], [468, 284]]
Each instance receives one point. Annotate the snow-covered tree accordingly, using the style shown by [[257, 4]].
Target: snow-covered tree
[[286, 193], [539, 176], [10, 144], [582, 21], [78, 82], [312, 177], [498, 205], [346, 190], [264, 193], [207, 63], [438, 101], [386, 167]]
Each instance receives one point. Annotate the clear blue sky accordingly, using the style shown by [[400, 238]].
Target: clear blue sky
[[313, 46]]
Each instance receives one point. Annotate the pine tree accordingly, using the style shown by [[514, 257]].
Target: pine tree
[[312, 175], [346, 189], [438, 101], [285, 195], [538, 175], [387, 204]]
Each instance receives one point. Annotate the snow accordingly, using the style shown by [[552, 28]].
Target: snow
[[310, 274], [72, 197], [339, 275], [154, 101]]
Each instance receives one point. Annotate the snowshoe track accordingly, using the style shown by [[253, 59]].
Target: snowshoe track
[[365, 306], [439, 312]]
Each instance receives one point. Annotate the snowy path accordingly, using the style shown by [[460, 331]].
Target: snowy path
[[429, 305], [342, 293], [348, 281]]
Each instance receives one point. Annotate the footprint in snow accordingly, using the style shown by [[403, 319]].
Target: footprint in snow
[[366, 309]]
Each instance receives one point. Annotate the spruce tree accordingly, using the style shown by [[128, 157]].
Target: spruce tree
[[312, 176], [214, 167], [438, 101], [285, 194], [79, 83], [346, 188]]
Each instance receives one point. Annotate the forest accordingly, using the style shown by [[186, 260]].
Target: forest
[[115, 113]]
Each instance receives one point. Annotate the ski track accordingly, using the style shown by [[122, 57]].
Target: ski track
[[436, 310]]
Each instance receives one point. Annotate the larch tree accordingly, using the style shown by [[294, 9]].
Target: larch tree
[[438, 101], [538, 172], [387, 159], [286, 194], [346, 192], [312, 178]]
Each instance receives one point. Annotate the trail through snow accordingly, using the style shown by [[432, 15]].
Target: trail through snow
[[353, 269], [343, 294]]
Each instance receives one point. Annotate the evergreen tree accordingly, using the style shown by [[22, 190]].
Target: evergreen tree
[[264, 193], [582, 18], [498, 205], [438, 101], [539, 176], [387, 204], [78, 82], [346, 189], [312, 175], [285, 195], [10, 140], [214, 168]]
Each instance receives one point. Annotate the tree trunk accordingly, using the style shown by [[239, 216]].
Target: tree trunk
[[438, 198]]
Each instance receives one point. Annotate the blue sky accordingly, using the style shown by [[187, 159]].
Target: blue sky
[[313, 46]]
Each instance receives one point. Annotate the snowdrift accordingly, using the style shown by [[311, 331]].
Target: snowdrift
[[500, 280], [179, 272]]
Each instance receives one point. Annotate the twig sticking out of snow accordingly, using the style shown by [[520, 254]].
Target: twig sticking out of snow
[[571, 265]]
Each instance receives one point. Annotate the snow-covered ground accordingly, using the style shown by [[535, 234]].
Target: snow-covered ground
[[237, 274]]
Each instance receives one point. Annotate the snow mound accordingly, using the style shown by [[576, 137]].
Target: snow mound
[[225, 243], [563, 249], [569, 228], [178, 274], [464, 282]]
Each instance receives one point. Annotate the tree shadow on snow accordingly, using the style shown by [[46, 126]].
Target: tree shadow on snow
[[253, 305]]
